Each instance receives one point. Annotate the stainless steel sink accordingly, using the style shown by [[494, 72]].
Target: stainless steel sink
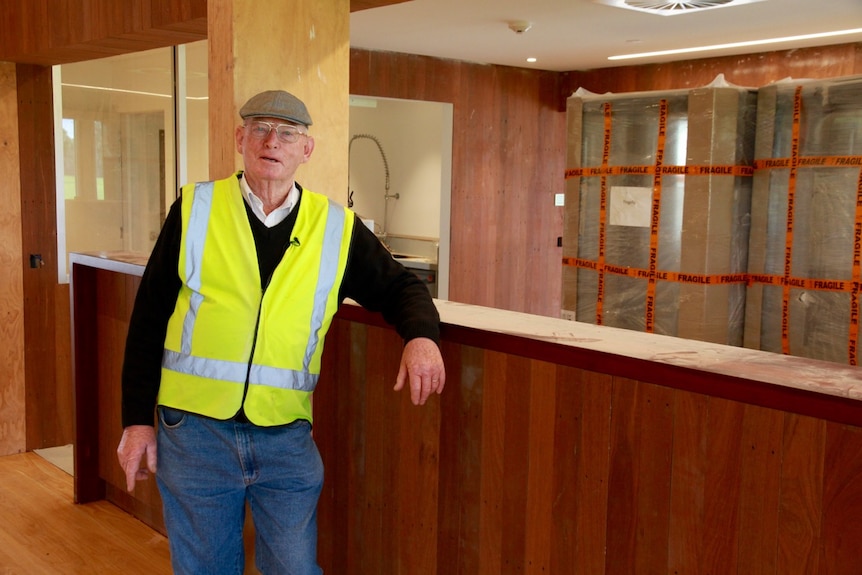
[[415, 262]]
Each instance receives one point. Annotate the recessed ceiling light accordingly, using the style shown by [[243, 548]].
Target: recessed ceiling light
[[531, 60]]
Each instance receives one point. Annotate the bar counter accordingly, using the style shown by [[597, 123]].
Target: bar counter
[[556, 447]]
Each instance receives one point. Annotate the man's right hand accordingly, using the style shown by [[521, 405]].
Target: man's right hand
[[137, 441]]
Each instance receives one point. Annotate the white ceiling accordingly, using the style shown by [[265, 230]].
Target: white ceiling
[[569, 35]]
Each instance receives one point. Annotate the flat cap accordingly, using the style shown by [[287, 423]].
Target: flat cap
[[276, 104]]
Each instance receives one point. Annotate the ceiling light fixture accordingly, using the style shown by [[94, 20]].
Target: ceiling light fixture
[[673, 7], [737, 44], [520, 26]]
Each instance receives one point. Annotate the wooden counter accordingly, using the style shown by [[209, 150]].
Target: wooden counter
[[557, 447]]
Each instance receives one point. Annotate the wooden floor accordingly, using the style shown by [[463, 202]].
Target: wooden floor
[[42, 530]]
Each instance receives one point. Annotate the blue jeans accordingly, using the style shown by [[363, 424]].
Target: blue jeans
[[207, 469]]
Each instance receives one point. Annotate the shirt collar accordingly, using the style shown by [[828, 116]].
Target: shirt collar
[[277, 215]]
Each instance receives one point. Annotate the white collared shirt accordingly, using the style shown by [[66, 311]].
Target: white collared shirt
[[277, 215]]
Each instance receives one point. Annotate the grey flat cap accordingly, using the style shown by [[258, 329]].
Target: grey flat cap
[[276, 104]]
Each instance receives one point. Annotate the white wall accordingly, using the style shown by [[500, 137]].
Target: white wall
[[416, 138], [411, 136]]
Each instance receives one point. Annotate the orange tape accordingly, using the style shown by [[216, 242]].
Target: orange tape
[[810, 162], [846, 286], [658, 275], [788, 237], [843, 286], [655, 217], [708, 170], [603, 215], [853, 351], [714, 170]]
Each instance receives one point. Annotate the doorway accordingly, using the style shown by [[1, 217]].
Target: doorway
[[400, 177]]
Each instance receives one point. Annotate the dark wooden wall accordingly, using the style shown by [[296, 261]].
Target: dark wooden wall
[[537, 458], [49, 32], [527, 465], [508, 156], [49, 402]]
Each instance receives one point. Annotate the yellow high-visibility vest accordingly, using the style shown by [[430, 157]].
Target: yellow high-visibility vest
[[229, 343]]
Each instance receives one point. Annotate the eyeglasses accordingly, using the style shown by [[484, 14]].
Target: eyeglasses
[[287, 133]]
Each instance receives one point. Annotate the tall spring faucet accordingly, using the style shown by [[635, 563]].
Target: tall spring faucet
[[386, 195]]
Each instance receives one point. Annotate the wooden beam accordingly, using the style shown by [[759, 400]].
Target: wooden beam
[[48, 33]]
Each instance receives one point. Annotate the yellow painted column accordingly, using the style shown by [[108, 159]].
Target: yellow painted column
[[12, 411], [302, 46]]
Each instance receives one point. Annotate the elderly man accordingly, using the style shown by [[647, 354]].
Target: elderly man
[[225, 342]]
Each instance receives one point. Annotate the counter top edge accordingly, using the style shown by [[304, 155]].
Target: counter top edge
[[601, 343]]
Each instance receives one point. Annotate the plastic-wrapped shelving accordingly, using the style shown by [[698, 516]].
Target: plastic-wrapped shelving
[[806, 233], [657, 210]]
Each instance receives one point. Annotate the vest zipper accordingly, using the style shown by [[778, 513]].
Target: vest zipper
[[293, 242]]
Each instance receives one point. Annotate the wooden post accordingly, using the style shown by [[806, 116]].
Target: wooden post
[[302, 46], [12, 432]]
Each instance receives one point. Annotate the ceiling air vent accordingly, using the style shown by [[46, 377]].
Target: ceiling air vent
[[671, 7]]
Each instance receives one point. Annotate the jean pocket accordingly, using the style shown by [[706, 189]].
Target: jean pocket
[[171, 418]]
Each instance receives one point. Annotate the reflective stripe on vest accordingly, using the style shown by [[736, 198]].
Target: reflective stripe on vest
[[238, 371], [328, 272], [235, 372], [195, 241]]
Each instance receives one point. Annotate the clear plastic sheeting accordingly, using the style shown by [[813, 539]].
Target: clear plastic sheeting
[[806, 220], [657, 210]]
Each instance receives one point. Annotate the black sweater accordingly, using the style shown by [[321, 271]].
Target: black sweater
[[372, 278]]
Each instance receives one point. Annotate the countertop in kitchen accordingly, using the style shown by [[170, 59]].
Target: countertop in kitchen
[[415, 262]]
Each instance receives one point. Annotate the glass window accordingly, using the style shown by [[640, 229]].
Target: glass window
[[194, 116], [128, 142], [69, 174]]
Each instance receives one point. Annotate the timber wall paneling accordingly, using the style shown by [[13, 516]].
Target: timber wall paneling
[[12, 405], [539, 458], [47, 341], [526, 466], [47, 32], [508, 156]]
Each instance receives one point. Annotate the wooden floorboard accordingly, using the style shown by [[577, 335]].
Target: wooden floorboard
[[42, 530]]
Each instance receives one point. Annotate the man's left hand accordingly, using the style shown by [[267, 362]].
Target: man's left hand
[[422, 366]]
